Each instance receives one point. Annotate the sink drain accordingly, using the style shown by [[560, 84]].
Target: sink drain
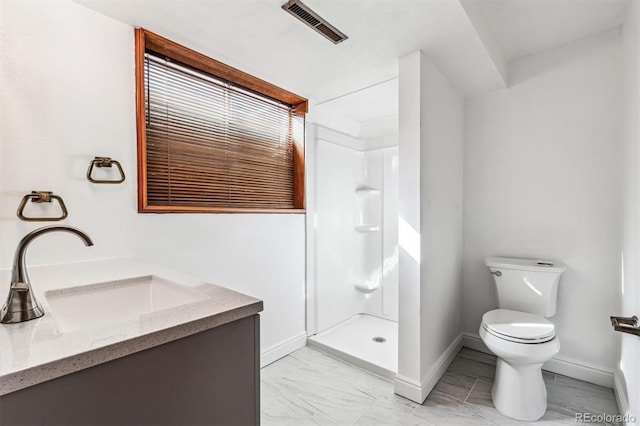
[[379, 339]]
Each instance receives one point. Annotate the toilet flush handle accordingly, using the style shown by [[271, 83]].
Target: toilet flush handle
[[496, 273]]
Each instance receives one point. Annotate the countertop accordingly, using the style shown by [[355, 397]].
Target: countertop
[[35, 351]]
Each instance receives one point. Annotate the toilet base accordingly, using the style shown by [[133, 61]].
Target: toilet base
[[519, 391]]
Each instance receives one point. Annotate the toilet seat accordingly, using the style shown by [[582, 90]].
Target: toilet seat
[[518, 327]]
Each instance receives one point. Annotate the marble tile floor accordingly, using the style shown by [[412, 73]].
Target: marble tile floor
[[309, 387]]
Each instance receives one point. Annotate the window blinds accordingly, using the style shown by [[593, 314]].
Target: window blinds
[[212, 144]]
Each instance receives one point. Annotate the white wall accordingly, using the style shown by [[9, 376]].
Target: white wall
[[66, 78], [542, 180], [430, 231], [67, 81], [260, 255], [441, 177], [409, 258], [628, 369]]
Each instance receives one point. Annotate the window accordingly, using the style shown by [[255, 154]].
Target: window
[[212, 138]]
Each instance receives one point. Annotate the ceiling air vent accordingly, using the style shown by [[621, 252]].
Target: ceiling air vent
[[313, 20]]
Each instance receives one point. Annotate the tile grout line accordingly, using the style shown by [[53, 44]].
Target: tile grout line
[[470, 390], [418, 405]]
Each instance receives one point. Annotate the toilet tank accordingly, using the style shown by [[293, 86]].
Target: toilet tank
[[526, 285]]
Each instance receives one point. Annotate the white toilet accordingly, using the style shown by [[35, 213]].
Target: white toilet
[[520, 335]]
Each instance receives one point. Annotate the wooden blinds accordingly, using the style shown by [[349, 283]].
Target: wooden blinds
[[211, 145]]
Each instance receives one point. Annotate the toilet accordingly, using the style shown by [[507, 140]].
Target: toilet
[[520, 335]]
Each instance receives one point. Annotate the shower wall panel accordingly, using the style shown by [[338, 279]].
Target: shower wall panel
[[339, 254]]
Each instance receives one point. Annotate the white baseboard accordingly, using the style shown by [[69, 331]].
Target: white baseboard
[[408, 388], [276, 352], [418, 391], [567, 367], [580, 370], [620, 389], [473, 341]]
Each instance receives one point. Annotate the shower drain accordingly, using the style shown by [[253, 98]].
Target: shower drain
[[379, 339]]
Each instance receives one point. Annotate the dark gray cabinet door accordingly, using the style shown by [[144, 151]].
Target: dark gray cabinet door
[[210, 378]]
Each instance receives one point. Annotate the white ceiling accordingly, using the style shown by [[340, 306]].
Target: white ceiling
[[258, 37], [523, 27], [371, 103]]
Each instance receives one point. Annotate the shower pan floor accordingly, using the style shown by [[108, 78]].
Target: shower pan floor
[[353, 341]]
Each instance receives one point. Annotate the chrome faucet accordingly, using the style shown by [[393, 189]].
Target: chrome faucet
[[21, 304]]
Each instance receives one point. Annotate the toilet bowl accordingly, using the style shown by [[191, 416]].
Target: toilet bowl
[[522, 342], [520, 334]]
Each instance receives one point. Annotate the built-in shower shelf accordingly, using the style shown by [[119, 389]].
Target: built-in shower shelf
[[365, 287], [364, 229], [367, 191]]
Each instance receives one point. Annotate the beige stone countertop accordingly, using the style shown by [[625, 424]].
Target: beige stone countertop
[[35, 351]]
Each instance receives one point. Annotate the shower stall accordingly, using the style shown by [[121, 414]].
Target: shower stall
[[352, 233]]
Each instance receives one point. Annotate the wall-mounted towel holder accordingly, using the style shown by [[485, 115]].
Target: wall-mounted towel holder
[[41, 197], [101, 162]]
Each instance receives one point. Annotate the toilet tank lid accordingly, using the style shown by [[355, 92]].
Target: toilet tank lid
[[537, 265]]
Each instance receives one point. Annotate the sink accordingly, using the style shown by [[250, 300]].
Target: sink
[[95, 305]]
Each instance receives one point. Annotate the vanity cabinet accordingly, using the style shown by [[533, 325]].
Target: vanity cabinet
[[208, 378]]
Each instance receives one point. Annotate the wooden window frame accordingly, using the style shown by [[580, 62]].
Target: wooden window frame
[[147, 40]]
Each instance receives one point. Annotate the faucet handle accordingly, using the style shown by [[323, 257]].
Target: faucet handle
[[41, 197], [20, 287]]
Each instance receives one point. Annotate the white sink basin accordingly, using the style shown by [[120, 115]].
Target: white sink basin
[[95, 305]]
